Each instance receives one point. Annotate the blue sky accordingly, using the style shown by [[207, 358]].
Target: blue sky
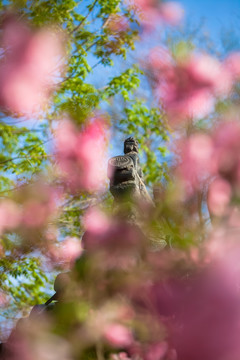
[[216, 13]]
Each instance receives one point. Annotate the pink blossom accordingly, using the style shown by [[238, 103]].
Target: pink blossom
[[119, 246], [153, 351], [66, 139], [171, 12], [156, 351], [209, 71], [118, 335], [219, 195], [232, 63], [10, 215], [34, 213], [120, 356], [201, 308], [226, 139], [153, 12], [81, 155], [33, 207], [189, 88], [30, 61], [120, 237], [224, 252], [160, 60], [197, 160], [95, 221], [67, 251], [71, 248], [203, 156], [234, 217], [39, 205]]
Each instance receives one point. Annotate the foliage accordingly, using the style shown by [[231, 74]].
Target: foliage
[[90, 43]]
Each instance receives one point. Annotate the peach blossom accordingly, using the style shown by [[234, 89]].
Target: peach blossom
[[189, 88], [226, 139], [120, 356], [156, 351], [34, 213], [232, 63], [160, 59], [64, 253], [9, 215], [96, 221], [118, 335], [219, 195], [81, 155], [197, 159], [28, 66], [171, 12], [204, 156], [154, 12]]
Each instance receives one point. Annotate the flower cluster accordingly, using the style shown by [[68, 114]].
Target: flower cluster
[[29, 213], [189, 87], [30, 64], [81, 154], [214, 158], [156, 12]]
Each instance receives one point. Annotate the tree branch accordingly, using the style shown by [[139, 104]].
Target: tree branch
[[81, 22]]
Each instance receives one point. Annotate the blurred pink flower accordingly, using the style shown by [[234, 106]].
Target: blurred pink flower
[[203, 156], [156, 351], [118, 335], [160, 59], [32, 209], [34, 213], [232, 63], [155, 12], [39, 205], [81, 154], [201, 309], [66, 251], [70, 249], [171, 12], [10, 215], [206, 70], [226, 139], [95, 221], [234, 217], [120, 356], [120, 237], [197, 161], [152, 351], [29, 63], [219, 195], [189, 88]]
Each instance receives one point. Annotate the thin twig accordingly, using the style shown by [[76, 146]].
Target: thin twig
[[81, 22], [98, 63]]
